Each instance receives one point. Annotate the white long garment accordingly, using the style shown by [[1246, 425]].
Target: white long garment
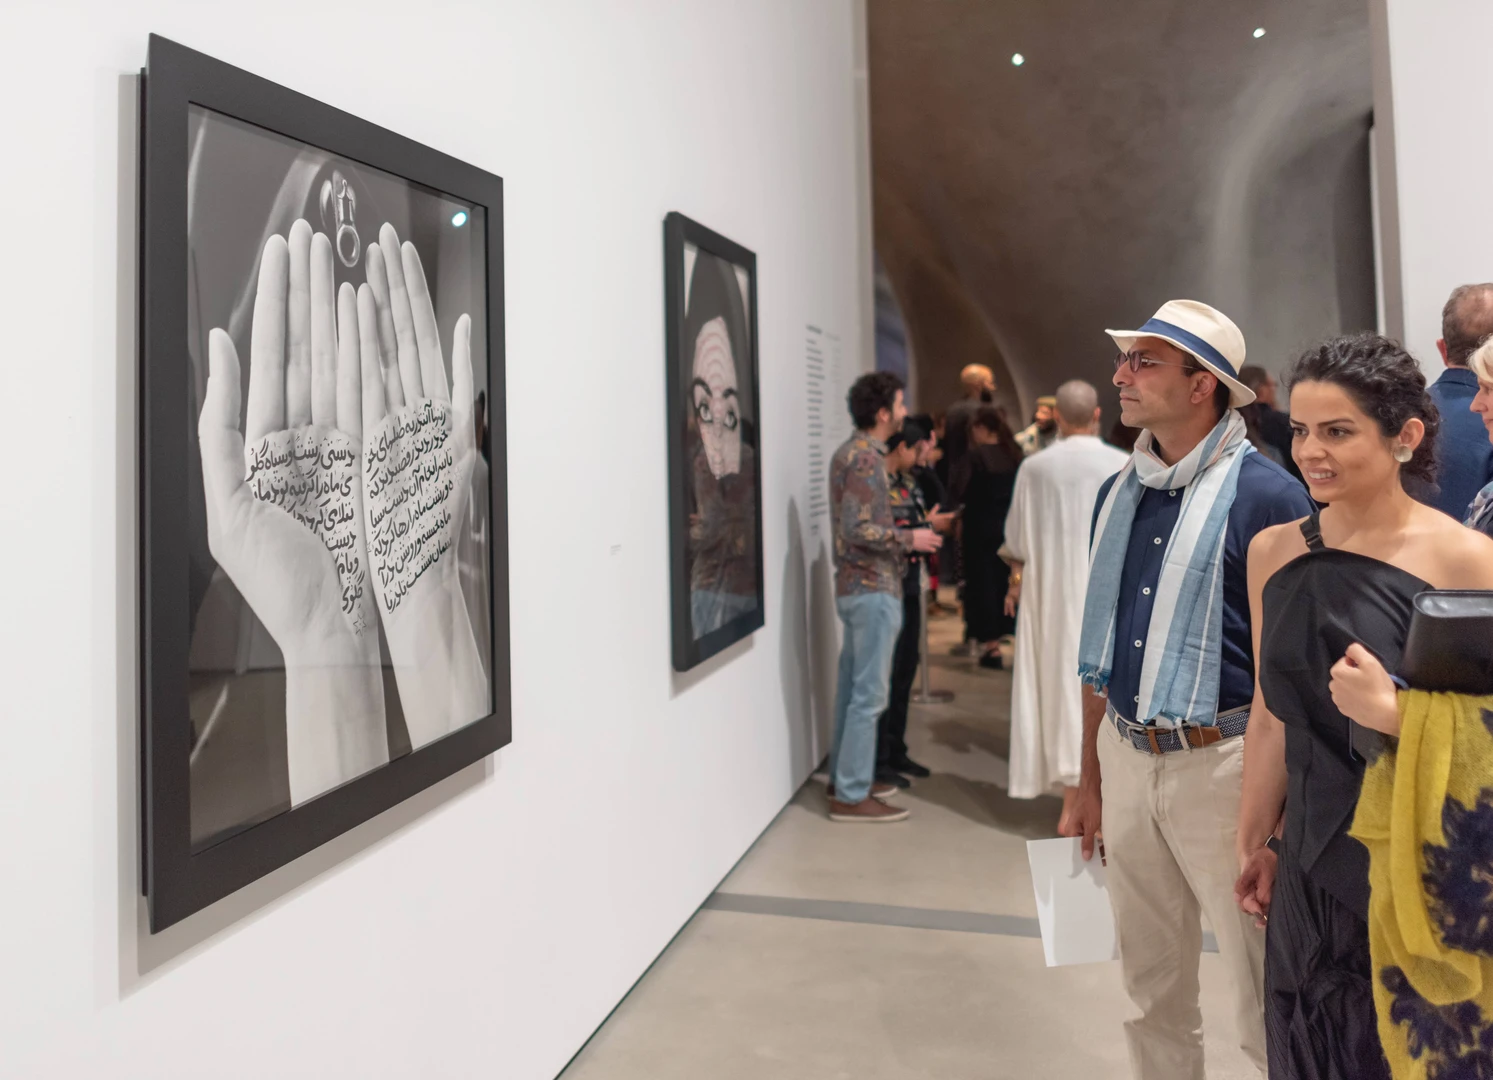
[[1047, 529]]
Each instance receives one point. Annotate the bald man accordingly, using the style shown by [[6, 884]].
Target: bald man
[[1047, 537]]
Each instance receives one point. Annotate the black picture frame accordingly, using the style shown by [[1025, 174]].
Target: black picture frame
[[176, 880], [679, 231]]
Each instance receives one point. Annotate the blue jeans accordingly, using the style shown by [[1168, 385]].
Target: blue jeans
[[710, 610], [872, 623]]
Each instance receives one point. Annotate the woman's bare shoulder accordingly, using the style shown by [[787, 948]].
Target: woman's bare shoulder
[[1464, 556], [1274, 546]]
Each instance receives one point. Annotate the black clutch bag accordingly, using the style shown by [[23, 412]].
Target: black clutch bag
[[1450, 645], [1449, 648]]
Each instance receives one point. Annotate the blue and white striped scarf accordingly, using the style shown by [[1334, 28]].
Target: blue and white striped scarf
[[1179, 676]]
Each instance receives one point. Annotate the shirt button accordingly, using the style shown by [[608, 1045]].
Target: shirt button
[[1137, 699], [1157, 540], [1173, 494], [1146, 591], [1138, 643]]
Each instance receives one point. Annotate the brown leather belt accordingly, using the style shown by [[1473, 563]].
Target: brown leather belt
[[1150, 739]]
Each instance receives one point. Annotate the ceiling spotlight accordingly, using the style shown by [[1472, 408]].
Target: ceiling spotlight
[[459, 218], [1259, 32], [1017, 59]]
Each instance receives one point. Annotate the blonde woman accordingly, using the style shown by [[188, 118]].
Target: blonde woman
[[1480, 513]]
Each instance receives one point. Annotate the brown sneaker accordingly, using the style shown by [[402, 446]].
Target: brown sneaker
[[880, 789], [865, 812]]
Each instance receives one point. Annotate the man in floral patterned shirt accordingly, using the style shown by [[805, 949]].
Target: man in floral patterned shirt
[[870, 557]]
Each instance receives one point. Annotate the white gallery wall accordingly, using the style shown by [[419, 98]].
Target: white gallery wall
[[488, 926], [1432, 95]]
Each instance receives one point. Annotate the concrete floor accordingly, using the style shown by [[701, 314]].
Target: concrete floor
[[828, 953]]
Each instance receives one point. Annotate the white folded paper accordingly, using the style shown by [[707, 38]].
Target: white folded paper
[[1073, 909]]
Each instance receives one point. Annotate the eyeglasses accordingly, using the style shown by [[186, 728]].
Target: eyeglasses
[[1138, 360]]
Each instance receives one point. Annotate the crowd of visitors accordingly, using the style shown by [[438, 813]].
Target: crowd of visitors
[[1209, 615]]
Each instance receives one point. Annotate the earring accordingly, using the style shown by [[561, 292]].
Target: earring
[[1403, 454]]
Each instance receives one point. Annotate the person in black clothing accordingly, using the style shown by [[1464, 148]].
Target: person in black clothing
[[931, 484], [909, 511], [930, 456], [1267, 424], [1332, 597], [983, 486]]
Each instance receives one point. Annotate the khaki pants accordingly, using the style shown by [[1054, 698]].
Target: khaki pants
[[1169, 826]]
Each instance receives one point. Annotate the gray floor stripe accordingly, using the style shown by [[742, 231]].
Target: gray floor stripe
[[969, 922]]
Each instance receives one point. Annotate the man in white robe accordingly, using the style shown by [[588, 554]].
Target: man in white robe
[[1047, 539]]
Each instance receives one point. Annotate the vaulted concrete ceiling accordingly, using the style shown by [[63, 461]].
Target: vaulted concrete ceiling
[[1146, 150]]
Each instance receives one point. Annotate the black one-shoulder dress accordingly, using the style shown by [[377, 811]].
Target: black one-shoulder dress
[[1319, 1006]]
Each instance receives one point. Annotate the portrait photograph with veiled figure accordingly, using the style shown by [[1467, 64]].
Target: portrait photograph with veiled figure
[[714, 431]]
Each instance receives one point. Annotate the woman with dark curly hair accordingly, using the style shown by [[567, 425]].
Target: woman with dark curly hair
[[1331, 598]]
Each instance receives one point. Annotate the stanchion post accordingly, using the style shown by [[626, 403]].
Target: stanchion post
[[926, 696]]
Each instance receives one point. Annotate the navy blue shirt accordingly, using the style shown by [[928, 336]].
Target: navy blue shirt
[[1463, 455], [1267, 495]]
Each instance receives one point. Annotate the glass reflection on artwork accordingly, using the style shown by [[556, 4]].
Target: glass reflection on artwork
[[715, 462], [723, 551]]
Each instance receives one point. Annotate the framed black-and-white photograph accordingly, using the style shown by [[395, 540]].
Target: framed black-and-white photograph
[[324, 532], [715, 483]]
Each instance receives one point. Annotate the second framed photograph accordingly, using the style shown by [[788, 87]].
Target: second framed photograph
[[714, 417], [325, 587]]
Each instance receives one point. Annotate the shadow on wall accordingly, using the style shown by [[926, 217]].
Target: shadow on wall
[[824, 648], [1353, 244], [793, 653]]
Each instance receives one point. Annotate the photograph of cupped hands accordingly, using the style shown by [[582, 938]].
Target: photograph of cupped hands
[[334, 510], [340, 600]]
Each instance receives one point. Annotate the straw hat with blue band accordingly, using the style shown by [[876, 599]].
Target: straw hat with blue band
[[1204, 333]]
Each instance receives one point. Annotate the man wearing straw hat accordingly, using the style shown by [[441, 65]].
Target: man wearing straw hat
[[1167, 658]]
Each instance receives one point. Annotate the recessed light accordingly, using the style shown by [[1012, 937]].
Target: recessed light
[[459, 218], [1017, 59], [1259, 31]]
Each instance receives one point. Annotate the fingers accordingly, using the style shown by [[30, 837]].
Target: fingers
[[324, 372], [388, 343], [220, 405], [298, 329], [461, 368], [1360, 657], [349, 381], [399, 310], [267, 347], [217, 427], [1242, 892], [374, 397], [427, 335]]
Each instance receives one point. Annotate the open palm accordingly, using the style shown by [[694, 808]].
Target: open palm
[[419, 448], [284, 498]]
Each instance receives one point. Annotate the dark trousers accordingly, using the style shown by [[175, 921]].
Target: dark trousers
[[891, 730]]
